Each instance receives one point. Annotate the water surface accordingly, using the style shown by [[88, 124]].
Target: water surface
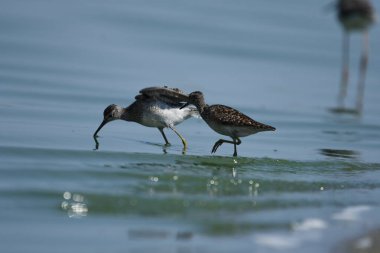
[[307, 187]]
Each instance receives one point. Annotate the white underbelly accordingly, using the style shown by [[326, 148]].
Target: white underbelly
[[233, 131], [162, 115], [151, 119]]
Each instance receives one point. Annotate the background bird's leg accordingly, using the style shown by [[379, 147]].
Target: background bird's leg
[[362, 73], [345, 69], [163, 135], [180, 136]]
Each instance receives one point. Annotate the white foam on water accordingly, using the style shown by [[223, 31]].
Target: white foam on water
[[303, 232], [310, 224], [352, 213]]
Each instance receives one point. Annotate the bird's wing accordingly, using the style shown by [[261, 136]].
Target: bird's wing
[[165, 94]]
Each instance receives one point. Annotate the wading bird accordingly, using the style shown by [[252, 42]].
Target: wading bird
[[226, 121], [354, 15], [157, 107]]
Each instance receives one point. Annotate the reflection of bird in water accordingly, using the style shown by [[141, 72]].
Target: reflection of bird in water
[[226, 121], [154, 107], [354, 15]]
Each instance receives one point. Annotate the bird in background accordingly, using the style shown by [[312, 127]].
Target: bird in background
[[226, 121], [354, 16], [157, 107]]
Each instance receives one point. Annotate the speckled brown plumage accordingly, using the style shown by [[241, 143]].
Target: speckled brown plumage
[[226, 121], [229, 116]]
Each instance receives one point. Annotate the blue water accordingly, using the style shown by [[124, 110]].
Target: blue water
[[307, 187]]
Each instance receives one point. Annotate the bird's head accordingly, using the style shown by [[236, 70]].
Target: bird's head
[[195, 98], [112, 112]]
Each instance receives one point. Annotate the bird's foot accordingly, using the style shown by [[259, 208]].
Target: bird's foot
[[167, 144]]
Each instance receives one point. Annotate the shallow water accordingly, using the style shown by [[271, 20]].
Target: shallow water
[[307, 187]]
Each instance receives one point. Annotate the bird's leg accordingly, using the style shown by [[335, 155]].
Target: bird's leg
[[221, 141], [218, 144], [180, 136], [96, 143], [362, 73], [236, 143], [345, 69], [163, 135]]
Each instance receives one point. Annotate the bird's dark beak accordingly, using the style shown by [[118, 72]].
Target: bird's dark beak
[[184, 106], [100, 127]]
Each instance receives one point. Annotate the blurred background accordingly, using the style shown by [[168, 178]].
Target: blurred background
[[308, 187]]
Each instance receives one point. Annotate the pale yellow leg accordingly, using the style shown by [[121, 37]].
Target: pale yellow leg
[[180, 136]]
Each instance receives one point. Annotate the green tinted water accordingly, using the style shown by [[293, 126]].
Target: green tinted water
[[183, 201]]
